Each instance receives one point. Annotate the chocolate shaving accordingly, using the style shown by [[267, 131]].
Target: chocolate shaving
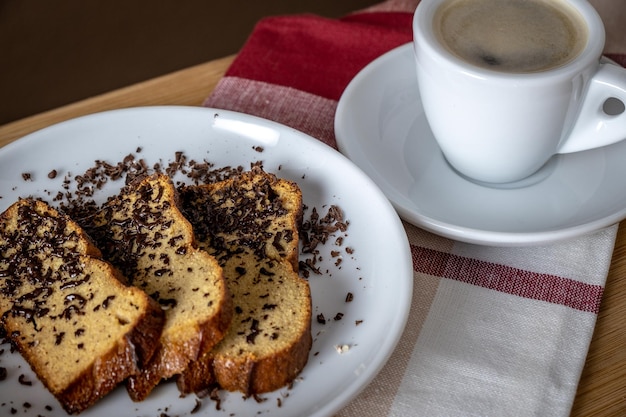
[[24, 381], [254, 331], [315, 231], [196, 407], [215, 396]]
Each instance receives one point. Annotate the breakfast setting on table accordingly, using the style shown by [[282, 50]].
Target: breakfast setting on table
[[410, 210]]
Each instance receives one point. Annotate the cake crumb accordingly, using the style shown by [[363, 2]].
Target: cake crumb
[[341, 349]]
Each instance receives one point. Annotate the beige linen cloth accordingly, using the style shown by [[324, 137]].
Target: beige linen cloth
[[492, 331]]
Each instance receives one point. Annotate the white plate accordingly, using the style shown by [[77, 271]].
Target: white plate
[[380, 125], [379, 273]]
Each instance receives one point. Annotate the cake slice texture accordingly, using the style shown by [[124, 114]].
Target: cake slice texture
[[143, 232], [250, 224], [253, 211], [78, 326]]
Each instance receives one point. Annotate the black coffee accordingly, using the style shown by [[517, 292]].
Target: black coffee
[[517, 36]]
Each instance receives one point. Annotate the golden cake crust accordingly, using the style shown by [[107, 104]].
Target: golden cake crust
[[250, 223], [78, 326]]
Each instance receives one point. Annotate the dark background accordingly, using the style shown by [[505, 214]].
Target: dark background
[[56, 52]]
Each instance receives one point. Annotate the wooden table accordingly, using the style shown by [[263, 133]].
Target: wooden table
[[602, 388]]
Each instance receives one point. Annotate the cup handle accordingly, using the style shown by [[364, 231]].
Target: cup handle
[[594, 127]]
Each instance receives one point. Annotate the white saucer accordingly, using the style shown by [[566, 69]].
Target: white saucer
[[380, 126]]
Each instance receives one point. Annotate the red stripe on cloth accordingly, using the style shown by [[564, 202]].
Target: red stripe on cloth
[[509, 280], [619, 58], [303, 111], [318, 55]]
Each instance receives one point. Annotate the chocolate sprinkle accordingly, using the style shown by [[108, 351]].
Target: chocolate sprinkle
[[196, 407], [24, 381], [316, 230]]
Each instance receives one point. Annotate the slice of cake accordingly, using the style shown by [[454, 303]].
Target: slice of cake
[[81, 330], [254, 210], [143, 232], [250, 223]]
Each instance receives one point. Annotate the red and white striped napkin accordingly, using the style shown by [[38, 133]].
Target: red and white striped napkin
[[492, 331]]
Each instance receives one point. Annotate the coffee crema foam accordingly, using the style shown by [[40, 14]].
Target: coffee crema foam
[[516, 36]]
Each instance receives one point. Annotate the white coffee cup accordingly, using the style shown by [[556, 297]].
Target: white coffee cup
[[500, 126]]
